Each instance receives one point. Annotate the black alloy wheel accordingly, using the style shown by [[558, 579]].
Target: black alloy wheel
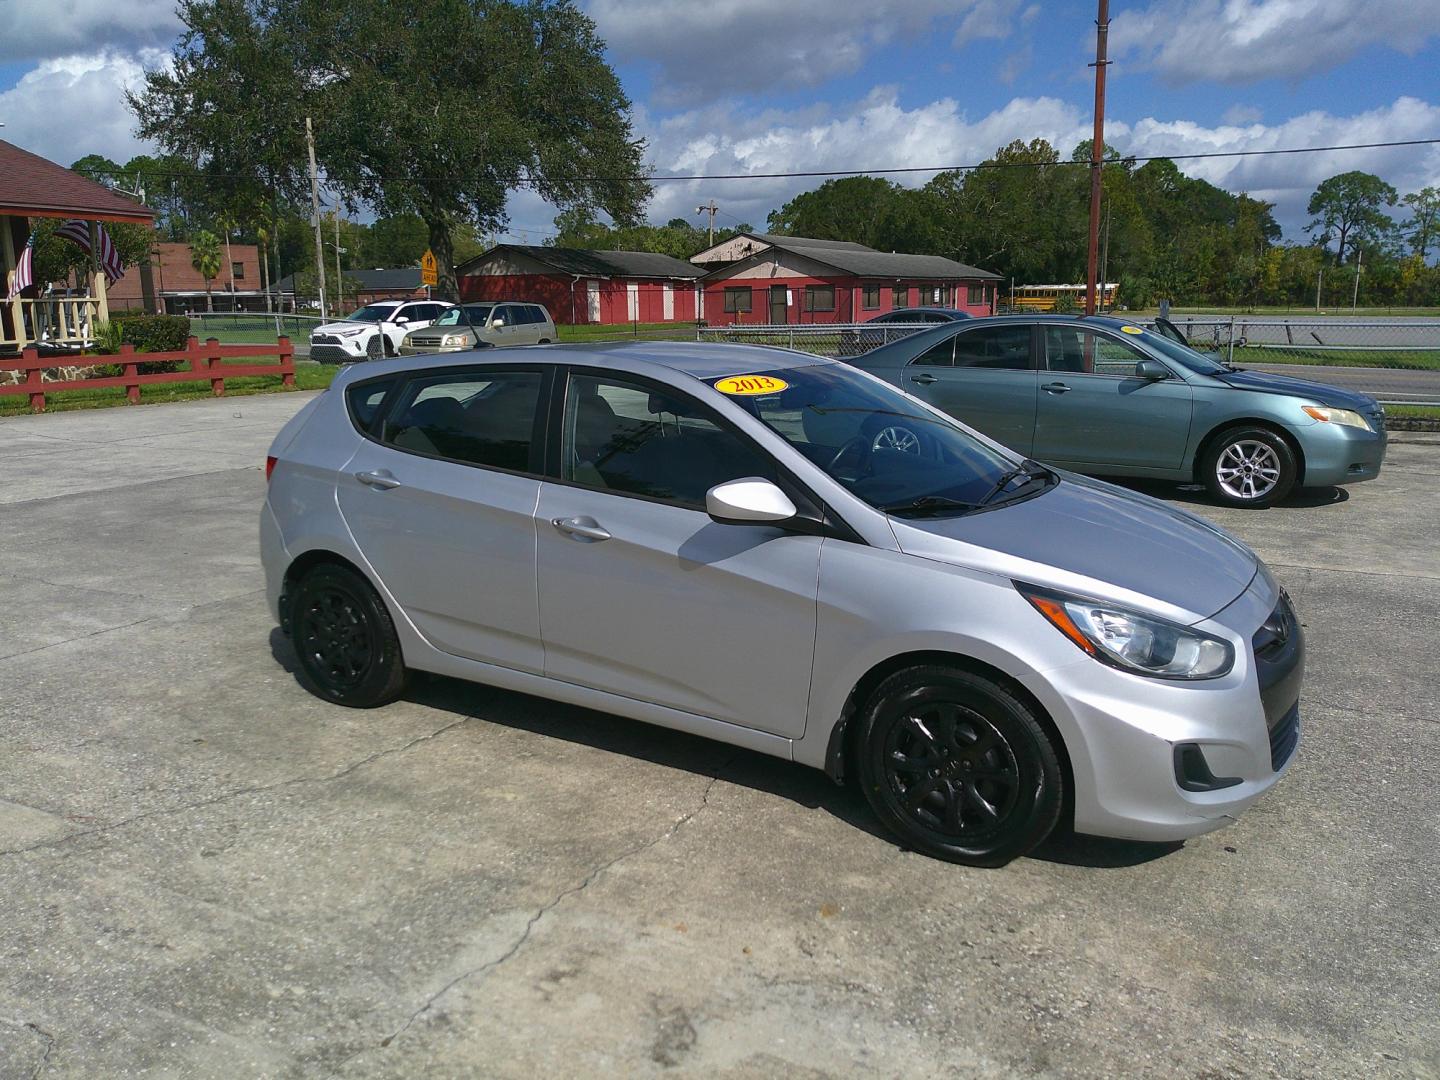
[[957, 767], [345, 640]]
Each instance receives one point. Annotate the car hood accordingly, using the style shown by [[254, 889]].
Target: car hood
[[1143, 549], [1322, 393], [339, 327]]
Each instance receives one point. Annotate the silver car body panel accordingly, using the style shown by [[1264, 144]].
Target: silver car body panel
[[758, 637]]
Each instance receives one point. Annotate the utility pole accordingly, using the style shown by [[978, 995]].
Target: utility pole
[[1359, 258], [711, 209], [1319, 281], [1097, 150], [315, 213], [1105, 260], [339, 280]]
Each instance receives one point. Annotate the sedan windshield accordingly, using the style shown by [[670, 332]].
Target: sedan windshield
[[372, 313], [473, 313], [884, 446]]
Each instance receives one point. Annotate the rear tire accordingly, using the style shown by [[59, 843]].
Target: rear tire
[[1249, 467], [957, 767], [345, 640]]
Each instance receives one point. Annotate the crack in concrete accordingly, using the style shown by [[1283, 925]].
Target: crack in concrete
[[238, 793], [50, 1042], [71, 585], [545, 909], [1350, 570]]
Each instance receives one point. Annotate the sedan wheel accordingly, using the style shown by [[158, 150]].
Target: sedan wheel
[[957, 767], [1251, 467]]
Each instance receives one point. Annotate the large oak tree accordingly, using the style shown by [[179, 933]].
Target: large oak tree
[[438, 109]]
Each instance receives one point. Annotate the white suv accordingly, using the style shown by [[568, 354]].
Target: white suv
[[374, 331]]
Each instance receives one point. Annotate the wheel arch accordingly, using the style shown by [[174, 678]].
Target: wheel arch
[[839, 753], [1278, 429], [301, 565]]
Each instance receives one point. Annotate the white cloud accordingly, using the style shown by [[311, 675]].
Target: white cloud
[[37, 30], [1238, 115], [1245, 41], [728, 47], [75, 105]]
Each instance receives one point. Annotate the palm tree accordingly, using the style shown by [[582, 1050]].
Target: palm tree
[[262, 222], [227, 224], [205, 258]]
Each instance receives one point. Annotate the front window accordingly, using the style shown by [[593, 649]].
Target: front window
[[470, 313], [371, 313], [1073, 349], [737, 300], [819, 297], [885, 447]]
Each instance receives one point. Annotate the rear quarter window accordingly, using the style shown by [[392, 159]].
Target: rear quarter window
[[365, 400]]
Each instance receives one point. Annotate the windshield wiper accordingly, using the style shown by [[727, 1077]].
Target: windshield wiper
[[1028, 468], [928, 504]]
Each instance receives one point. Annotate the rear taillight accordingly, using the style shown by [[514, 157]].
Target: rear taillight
[[269, 468]]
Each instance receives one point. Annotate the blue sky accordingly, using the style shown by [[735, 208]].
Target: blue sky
[[726, 86]]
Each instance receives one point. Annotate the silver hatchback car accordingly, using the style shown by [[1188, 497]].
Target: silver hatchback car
[[787, 554]]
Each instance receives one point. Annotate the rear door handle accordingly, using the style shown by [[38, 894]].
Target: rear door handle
[[923, 380], [1055, 388], [580, 528], [380, 479]]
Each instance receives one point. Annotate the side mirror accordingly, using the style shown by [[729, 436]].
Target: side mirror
[[748, 501], [1151, 371], [497, 323], [402, 319]]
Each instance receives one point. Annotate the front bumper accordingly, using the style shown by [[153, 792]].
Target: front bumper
[[333, 349], [1335, 454], [1134, 762]]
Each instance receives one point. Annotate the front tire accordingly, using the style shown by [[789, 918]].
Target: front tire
[[374, 348], [957, 767], [345, 640], [1250, 467]]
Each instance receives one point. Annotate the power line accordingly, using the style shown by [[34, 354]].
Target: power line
[[804, 173]]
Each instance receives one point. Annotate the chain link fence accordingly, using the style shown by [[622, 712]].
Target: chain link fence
[[254, 327]]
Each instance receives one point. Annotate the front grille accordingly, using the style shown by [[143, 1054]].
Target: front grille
[[329, 354], [324, 339], [1283, 738], [426, 342]]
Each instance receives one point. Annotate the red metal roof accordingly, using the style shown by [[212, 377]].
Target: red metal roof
[[31, 186]]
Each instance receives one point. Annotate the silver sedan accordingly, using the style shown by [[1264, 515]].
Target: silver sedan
[[786, 554]]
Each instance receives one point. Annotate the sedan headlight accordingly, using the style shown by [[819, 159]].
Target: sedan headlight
[[1343, 417], [457, 339], [1126, 639]]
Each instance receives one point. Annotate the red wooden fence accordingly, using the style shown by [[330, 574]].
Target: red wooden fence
[[206, 362]]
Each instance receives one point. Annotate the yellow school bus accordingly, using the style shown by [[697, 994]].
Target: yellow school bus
[[1046, 297]]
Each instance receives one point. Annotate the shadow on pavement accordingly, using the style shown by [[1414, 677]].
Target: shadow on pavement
[[1196, 495], [799, 784]]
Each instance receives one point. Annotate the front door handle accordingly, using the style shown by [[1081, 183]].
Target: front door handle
[[923, 380], [1055, 388], [380, 479], [580, 528]]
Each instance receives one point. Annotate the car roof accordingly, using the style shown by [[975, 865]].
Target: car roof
[[700, 360], [930, 311]]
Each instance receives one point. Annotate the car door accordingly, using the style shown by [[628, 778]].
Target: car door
[[441, 498], [1093, 410], [503, 330], [641, 594], [983, 376]]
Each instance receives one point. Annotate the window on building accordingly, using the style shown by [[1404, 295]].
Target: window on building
[[900, 297], [737, 300], [975, 295], [237, 271], [871, 298], [819, 297]]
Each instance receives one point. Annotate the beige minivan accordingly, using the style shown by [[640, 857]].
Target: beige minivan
[[476, 325]]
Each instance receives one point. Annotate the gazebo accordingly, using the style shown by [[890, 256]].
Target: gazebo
[[32, 187]]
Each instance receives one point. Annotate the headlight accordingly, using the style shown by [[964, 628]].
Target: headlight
[[457, 339], [1133, 642], [1343, 417], [350, 333]]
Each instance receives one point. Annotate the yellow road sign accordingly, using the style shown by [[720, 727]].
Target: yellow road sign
[[429, 268]]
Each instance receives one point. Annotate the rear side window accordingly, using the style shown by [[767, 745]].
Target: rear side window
[[1005, 347], [474, 417], [941, 354], [365, 399]]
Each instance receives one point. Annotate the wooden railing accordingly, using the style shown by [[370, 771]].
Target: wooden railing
[[54, 320], [206, 362]]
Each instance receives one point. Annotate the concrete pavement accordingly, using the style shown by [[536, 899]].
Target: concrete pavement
[[209, 873]]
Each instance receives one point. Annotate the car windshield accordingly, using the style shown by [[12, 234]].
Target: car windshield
[[882, 445], [475, 313], [1183, 354], [372, 313]]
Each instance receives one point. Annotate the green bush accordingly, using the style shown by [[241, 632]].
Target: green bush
[[156, 333]]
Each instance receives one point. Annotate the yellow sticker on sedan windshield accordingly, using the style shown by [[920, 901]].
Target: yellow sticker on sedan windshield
[[1131, 330], [750, 385]]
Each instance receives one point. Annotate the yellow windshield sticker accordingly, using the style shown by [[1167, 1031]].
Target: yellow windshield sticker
[[1131, 330], [750, 385]]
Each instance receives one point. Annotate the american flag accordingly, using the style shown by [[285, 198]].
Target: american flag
[[24, 271], [78, 232]]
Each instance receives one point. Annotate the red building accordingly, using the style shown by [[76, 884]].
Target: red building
[[591, 287], [180, 288], [764, 278]]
